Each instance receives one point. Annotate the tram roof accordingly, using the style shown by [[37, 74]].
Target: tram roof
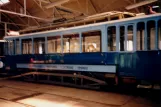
[[90, 25]]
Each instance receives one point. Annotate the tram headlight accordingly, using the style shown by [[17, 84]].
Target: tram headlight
[[1, 64]]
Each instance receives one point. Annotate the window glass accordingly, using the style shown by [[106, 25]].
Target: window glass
[[159, 33], [91, 41], [122, 38], [39, 45], [151, 35], [6, 48], [130, 38], [17, 46], [71, 43], [26, 46], [112, 38], [54, 44], [11, 47], [140, 35]]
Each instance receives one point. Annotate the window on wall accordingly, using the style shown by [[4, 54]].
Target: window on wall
[[71, 43], [140, 35], [130, 38], [54, 44], [159, 34], [26, 46], [91, 41], [122, 38], [151, 35], [112, 38], [39, 45], [17, 46]]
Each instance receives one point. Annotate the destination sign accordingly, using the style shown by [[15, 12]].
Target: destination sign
[[91, 68]]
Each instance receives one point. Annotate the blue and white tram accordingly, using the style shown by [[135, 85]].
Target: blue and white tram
[[126, 50]]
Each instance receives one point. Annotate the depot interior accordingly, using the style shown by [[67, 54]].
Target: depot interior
[[30, 16]]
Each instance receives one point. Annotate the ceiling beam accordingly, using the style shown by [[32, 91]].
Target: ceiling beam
[[44, 1], [67, 9], [130, 2], [19, 14], [39, 4], [56, 3], [5, 15], [94, 7], [27, 12], [145, 2], [108, 5]]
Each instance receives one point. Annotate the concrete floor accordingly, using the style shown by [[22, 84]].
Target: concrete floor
[[23, 94]]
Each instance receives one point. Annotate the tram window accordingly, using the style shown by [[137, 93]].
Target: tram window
[[6, 49], [122, 38], [39, 45], [11, 47], [130, 38], [112, 38], [91, 41], [159, 33], [71, 43], [26, 46], [140, 35], [54, 44], [151, 35], [1, 48], [17, 46]]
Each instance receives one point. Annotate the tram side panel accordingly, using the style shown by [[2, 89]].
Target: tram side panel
[[143, 65], [148, 65]]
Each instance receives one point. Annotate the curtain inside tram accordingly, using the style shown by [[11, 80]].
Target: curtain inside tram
[[151, 35], [130, 38], [71, 43], [39, 45], [27, 46], [54, 44], [17, 46], [140, 35], [91, 41]]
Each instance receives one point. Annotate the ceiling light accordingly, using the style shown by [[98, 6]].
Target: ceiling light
[[56, 3], [4, 2], [155, 7]]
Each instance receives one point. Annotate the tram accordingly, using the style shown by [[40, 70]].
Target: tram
[[105, 53]]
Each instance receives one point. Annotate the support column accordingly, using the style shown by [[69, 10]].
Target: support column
[[20, 43], [15, 47], [46, 45], [5, 25], [145, 37], [62, 44], [156, 35], [117, 38], [25, 7], [32, 45], [80, 42], [135, 37], [126, 36], [104, 39]]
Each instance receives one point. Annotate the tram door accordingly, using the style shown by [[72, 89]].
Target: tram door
[[126, 48]]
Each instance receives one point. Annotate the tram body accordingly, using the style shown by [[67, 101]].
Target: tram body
[[126, 50]]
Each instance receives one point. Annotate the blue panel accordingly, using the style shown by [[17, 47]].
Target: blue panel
[[144, 65], [148, 65]]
